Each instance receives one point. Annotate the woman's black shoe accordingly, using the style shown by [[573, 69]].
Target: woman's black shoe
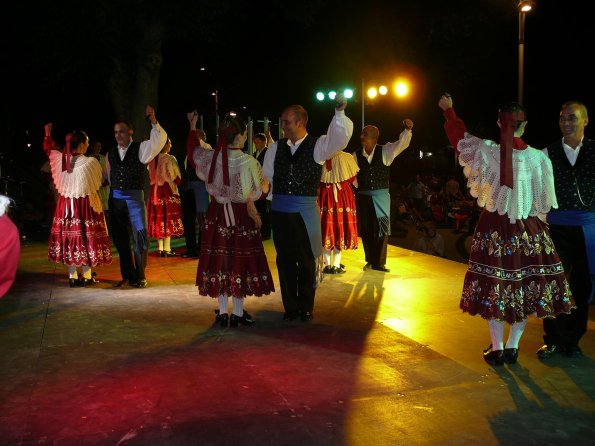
[[511, 355], [246, 319], [73, 283], [221, 319], [493, 357]]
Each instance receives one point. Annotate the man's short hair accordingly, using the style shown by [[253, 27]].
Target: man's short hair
[[299, 112]]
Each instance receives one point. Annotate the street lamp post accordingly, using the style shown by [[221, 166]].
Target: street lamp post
[[524, 7]]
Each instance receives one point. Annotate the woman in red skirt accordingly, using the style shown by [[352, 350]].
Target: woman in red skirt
[[232, 261], [336, 201], [514, 270], [164, 208], [78, 237]]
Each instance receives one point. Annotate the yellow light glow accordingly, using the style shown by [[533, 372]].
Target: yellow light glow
[[372, 92], [401, 88]]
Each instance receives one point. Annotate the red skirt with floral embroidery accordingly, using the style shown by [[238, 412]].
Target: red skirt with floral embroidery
[[164, 213], [232, 259], [514, 271], [79, 234], [338, 216]]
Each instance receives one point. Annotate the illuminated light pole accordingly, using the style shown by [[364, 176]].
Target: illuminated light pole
[[524, 7]]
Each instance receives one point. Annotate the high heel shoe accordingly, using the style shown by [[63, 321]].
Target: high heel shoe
[[221, 319], [493, 357], [246, 319], [511, 355]]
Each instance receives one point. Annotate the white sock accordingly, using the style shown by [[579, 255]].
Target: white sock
[[238, 306], [327, 257], [336, 257], [222, 304], [72, 274], [167, 244], [516, 331], [87, 272], [160, 244], [497, 334]]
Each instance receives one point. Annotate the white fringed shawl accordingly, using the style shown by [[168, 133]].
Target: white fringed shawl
[[344, 167], [84, 180], [533, 192], [167, 171]]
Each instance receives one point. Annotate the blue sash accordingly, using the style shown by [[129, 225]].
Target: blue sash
[[381, 200], [135, 200], [308, 209]]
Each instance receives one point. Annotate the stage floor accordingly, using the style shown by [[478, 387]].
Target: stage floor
[[389, 359]]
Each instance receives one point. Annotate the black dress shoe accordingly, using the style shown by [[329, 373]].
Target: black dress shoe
[[338, 270], [493, 357], [169, 254], [574, 352], [72, 283], [382, 268], [89, 282], [367, 266], [190, 255], [221, 319], [511, 355], [290, 315], [140, 284], [121, 283], [328, 270], [246, 319], [547, 351], [306, 316]]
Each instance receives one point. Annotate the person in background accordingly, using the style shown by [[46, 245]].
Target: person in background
[[78, 237], [293, 164], [572, 227], [514, 270], [338, 215], [195, 198], [261, 142], [373, 197], [10, 247], [126, 168], [429, 241], [164, 208], [95, 152], [232, 260]]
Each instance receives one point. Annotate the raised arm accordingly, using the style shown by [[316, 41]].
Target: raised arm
[[393, 149], [454, 126], [150, 148], [338, 134], [48, 143]]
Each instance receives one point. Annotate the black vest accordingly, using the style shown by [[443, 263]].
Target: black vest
[[374, 175], [571, 180], [296, 174], [130, 173]]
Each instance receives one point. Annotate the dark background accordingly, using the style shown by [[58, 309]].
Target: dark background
[[261, 58]]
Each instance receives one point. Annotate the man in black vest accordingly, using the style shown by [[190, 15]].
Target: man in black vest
[[373, 198], [294, 166], [261, 140], [126, 167], [572, 228]]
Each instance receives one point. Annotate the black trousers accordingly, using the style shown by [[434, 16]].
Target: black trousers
[[566, 330], [264, 209], [296, 264], [189, 216], [375, 245], [133, 259]]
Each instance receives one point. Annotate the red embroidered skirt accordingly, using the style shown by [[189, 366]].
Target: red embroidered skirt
[[514, 271], [232, 259], [338, 217], [164, 213], [79, 234]]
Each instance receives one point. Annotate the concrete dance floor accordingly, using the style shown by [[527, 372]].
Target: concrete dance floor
[[389, 359]]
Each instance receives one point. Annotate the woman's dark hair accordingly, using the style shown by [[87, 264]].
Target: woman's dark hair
[[514, 107], [77, 137], [230, 127]]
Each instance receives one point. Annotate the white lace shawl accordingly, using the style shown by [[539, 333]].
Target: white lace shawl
[[533, 189], [167, 171], [344, 167], [84, 180], [245, 176]]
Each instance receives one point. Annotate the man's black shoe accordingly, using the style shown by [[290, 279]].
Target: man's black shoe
[[290, 315], [547, 351], [190, 255], [306, 316], [574, 352]]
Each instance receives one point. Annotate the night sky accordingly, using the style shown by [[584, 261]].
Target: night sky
[[261, 64]]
